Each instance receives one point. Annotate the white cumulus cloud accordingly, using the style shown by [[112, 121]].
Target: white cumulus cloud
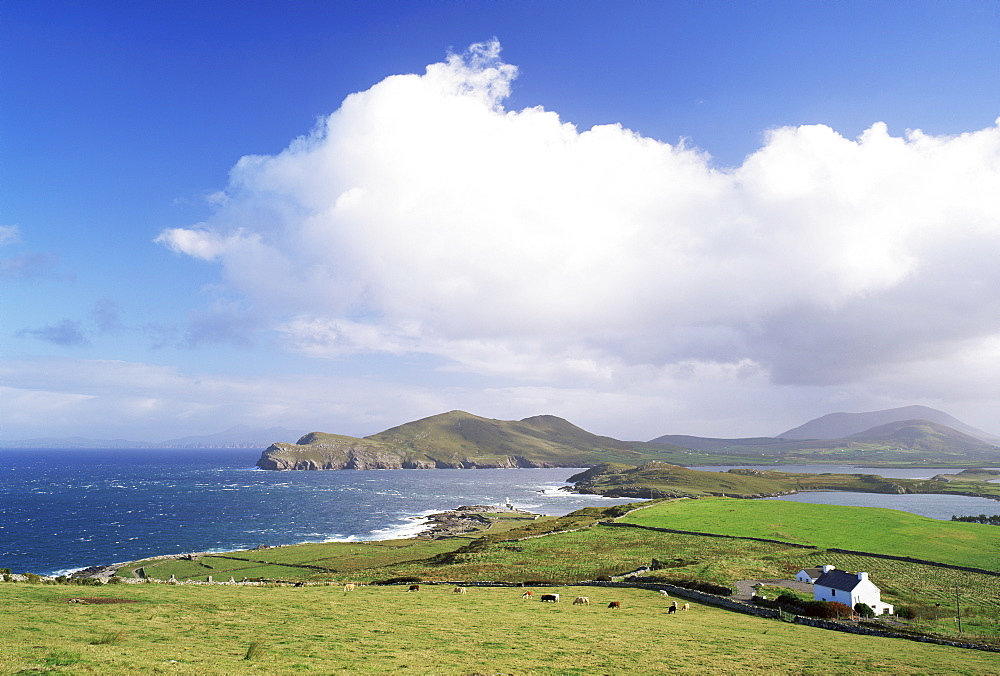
[[424, 217]]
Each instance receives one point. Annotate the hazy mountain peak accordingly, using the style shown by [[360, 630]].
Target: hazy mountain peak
[[840, 425]]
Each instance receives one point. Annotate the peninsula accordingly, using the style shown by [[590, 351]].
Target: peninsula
[[460, 440]]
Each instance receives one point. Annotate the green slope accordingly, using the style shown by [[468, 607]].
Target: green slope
[[461, 440], [867, 529]]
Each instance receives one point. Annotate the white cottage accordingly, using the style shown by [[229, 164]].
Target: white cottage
[[849, 589], [810, 575]]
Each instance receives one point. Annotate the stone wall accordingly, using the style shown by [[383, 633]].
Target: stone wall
[[870, 631], [708, 535], [891, 557], [701, 597]]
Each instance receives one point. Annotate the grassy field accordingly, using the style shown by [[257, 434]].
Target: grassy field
[[375, 630], [606, 551], [339, 561], [590, 551], [883, 531]]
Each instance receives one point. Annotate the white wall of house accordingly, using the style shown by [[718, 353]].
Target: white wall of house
[[805, 576], [865, 592]]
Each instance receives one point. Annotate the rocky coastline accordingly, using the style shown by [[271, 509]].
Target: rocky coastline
[[450, 523], [465, 519]]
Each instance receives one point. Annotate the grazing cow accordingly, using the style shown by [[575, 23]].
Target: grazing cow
[[663, 592], [300, 584], [414, 587], [671, 610], [551, 598], [527, 595], [458, 590], [349, 587], [686, 606], [581, 601], [617, 605]]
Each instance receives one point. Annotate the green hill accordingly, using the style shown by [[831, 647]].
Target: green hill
[[922, 435], [461, 440], [658, 479]]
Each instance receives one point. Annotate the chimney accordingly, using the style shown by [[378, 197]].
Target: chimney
[[828, 568], [862, 576]]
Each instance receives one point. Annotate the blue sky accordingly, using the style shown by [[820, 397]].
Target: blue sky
[[710, 218]]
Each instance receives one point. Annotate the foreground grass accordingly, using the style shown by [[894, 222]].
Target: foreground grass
[[867, 529], [375, 630], [588, 551]]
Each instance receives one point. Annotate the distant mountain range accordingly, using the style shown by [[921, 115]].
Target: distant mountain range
[[461, 440], [240, 436], [839, 425], [912, 434], [890, 436]]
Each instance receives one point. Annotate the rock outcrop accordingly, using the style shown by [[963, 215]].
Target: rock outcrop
[[316, 452]]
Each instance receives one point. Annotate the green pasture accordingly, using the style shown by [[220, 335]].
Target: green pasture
[[589, 551], [349, 561], [208, 630], [314, 561], [605, 551], [882, 531]]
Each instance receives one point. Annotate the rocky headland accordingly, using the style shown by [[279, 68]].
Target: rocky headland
[[458, 440], [464, 519]]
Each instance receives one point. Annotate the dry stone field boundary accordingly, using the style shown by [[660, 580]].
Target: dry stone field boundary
[[891, 557]]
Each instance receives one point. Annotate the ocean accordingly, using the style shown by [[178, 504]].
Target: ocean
[[62, 510]]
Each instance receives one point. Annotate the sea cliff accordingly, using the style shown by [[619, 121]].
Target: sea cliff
[[458, 440], [318, 451]]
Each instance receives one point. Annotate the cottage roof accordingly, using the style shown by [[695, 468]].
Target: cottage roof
[[813, 572], [838, 579]]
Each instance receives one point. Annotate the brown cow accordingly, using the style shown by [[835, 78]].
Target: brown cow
[[414, 587], [581, 601], [527, 595], [458, 590], [617, 605], [686, 606]]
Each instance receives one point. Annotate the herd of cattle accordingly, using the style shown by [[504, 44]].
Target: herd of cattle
[[549, 598]]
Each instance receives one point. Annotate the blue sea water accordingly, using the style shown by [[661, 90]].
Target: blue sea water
[[62, 510]]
